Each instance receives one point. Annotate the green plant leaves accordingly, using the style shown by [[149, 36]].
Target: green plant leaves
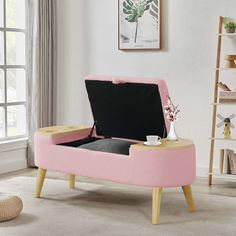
[[135, 9], [230, 25]]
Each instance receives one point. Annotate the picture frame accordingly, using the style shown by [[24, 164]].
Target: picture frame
[[139, 24]]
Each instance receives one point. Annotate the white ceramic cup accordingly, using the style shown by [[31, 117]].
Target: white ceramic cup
[[153, 139]]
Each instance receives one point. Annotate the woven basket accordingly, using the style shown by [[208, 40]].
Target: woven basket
[[10, 207]]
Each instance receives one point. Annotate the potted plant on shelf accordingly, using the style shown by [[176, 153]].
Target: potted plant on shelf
[[230, 27]]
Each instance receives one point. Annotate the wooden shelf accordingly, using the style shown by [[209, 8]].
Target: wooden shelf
[[223, 68], [225, 176], [227, 34], [224, 104], [223, 139]]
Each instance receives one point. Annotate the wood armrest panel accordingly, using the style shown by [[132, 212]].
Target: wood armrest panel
[[61, 130], [166, 145]]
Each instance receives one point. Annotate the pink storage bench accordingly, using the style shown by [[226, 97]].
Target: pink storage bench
[[125, 110]]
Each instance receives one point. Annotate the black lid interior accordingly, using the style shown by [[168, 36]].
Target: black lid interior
[[126, 110]]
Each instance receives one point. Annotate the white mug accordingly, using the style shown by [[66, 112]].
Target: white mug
[[153, 139]]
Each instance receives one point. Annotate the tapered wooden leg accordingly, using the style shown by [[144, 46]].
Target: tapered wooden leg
[[156, 204], [39, 182], [189, 197], [72, 181]]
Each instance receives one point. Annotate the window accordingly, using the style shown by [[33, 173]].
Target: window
[[12, 69]]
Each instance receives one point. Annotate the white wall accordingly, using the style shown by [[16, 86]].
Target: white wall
[[72, 62], [88, 44]]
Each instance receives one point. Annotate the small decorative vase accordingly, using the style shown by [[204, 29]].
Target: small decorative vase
[[172, 136]]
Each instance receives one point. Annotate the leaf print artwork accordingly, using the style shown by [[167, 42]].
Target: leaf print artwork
[[139, 24]]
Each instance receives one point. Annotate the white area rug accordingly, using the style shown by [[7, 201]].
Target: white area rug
[[93, 209]]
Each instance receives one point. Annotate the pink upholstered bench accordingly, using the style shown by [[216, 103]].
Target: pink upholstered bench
[[118, 106]]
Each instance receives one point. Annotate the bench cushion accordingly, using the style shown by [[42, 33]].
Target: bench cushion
[[109, 145]]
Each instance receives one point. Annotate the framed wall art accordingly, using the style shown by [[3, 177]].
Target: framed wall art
[[139, 24]]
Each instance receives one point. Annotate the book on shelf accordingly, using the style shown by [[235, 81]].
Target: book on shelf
[[221, 161], [232, 163], [226, 168], [227, 161]]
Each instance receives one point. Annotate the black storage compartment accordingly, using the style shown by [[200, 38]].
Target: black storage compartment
[[126, 110]]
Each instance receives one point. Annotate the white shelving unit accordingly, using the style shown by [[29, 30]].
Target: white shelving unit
[[216, 103]]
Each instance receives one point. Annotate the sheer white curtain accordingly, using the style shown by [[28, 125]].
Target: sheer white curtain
[[41, 70]]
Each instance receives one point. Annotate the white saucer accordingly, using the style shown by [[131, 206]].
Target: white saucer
[[152, 145]]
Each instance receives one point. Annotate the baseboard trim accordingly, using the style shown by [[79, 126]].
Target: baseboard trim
[[13, 160], [11, 166]]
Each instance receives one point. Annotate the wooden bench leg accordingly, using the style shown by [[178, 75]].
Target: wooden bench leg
[[156, 204], [189, 197], [39, 183], [72, 181]]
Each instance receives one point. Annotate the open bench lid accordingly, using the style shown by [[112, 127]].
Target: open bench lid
[[127, 107]]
